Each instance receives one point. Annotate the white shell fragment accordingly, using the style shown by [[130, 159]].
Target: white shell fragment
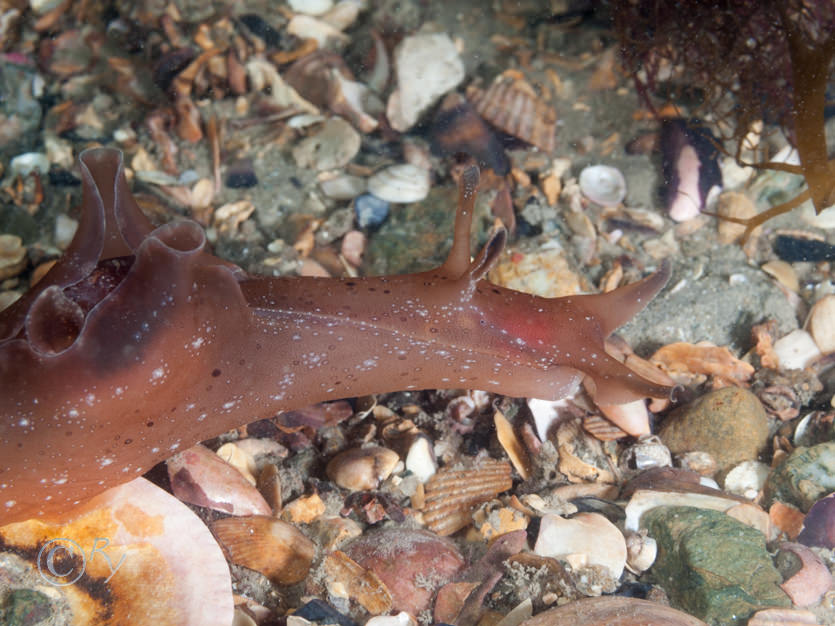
[[746, 479], [821, 323], [332, 147], [28, 162], [343, 187], [603, 184], [428, 66], [420, 459], [400, 183], [585, 539], [310, 7], [644, 500], [796, 350]]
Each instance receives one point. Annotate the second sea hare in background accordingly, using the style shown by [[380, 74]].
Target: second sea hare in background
[[743, 62]]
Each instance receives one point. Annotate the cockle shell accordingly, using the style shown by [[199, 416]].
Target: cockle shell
[[267, 545], [361, 469], [452, 495], [603, 184], [511, 105], [400, 183]]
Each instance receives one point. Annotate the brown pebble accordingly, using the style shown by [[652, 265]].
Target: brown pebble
[[730, 424]]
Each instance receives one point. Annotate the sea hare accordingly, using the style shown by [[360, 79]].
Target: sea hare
[[140, 342]]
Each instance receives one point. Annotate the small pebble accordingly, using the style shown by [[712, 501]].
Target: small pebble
[[730, 424], [371, 211]]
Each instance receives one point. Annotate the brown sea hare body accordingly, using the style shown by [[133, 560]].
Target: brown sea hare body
[[140, 342]]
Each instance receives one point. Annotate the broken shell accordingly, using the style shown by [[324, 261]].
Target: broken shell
[[239, 459], [343, 187], [647, 453], [452, 495], [703, 358], [400, 183], [585, 539], [821, 323], [199, 476], [747, 479], [428, 66], [512, 446], [783, 617], [511, 105], [582, 457], [12, 256], [811, 581], [631, 417], [353, 247], [603, 184], [796, 350], [457, 127], [355, 101], [306, 27], [269, 486], [613, 611], [332, 147], [783, 273], [267, 545], [641, 551], [28, 162], [345, 578], [360, 469], [304, 509], [413, 564]]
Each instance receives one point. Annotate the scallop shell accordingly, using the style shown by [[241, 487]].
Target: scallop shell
[[603, 184], [452, 495], [267, 545], [511, 105], [400, 183]]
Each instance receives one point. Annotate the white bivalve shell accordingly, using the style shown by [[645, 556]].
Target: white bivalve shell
[[400, 183], [603, 184]]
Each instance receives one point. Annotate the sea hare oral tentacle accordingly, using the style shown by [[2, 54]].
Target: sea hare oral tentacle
[[116, 360]]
